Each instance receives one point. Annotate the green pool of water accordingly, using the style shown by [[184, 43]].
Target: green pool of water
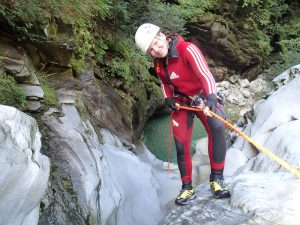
[[156, 137]]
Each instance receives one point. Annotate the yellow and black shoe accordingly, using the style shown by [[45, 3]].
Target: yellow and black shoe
[[185, 196], [218, 187]]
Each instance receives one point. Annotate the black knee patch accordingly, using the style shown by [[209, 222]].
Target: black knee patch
[[180, 158]]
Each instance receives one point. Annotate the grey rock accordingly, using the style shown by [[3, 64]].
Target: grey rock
[[225, 84], [235, 159], [257, 85], [245, 92], [33, 92], [287, 76], [67, 96], [233, 79], [206, 210], [112, 185], [277, 126], [272, 198], [262, 191], [33, 106], [16, 62], [244, 83], [24, 170]]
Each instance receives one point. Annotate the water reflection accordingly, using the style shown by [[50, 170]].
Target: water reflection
[[156, 136]]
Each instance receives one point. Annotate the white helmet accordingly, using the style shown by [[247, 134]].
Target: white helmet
[[145, 35]]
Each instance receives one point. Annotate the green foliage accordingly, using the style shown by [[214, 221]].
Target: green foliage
[[288, 44], [10, 14], [128, 71], [23, 16], [166, 16], [139, 65], [128, 62], [104, 29], [120, 15], [100, 48], [78, 64], [68, 11], [263, 43], [282, 61], [153, 11], [10, 93], [50, 98], [289, 33], [83, 40], [117, 48], [261, 12], [118, 66], [193, 9]]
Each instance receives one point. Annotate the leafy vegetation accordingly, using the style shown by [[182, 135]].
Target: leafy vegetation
[[289, 32], [50, 98], [30, 18], [10, 93], [193, 9], [262, 13], [104, 29], [69, 11]]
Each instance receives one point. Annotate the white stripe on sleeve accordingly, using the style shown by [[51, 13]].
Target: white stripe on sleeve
[[202, 67]]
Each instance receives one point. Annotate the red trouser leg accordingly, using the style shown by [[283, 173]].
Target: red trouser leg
[[216, 141], [182, 121]]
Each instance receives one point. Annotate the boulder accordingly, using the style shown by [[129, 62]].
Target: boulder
[[16, 62], [24, 170], [262, 191], [108, 180]]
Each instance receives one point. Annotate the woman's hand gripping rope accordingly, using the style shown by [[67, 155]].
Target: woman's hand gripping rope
[[198, 102]]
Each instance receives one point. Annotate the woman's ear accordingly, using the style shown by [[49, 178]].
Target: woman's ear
[[162, 35]]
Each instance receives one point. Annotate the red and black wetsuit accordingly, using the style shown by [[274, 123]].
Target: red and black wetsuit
[[188, 75]]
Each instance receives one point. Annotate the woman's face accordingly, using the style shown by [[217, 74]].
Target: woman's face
[[159, 47]]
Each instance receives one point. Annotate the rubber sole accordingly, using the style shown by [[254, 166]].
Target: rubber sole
[[185, 203], [224, 195]]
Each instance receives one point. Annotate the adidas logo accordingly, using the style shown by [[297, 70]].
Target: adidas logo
[[175, 123], [174, 76]]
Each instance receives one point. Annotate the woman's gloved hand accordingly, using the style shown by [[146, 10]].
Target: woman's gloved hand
[[171, 103], [211, 104]]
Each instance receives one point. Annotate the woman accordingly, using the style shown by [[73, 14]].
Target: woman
[[184, 73]]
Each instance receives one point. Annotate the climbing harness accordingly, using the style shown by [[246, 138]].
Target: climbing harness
[[292, 169], [197, 101]]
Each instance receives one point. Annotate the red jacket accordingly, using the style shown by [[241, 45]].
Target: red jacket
[[187, 70]]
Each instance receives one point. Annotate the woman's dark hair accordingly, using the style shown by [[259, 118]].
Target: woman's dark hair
[[168, 33]]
